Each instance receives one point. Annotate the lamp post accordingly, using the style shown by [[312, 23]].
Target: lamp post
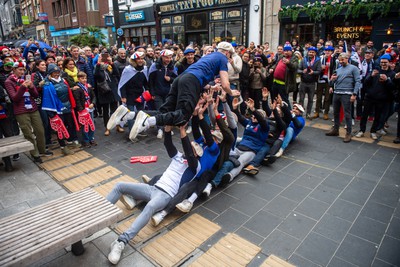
[[128, 4], [117, 23]]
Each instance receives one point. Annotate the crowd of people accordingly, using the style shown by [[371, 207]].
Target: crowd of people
[[205, 91]]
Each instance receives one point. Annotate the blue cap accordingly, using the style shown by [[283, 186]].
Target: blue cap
[[386, 56], [234, 44], [329, 48], [188, 50], [313, 48], [287, 47]]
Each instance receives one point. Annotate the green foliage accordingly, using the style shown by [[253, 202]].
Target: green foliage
[[320, 10], [92, 36]]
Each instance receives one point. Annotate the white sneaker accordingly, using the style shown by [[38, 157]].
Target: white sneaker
[[141, 125], [172, 133], [279, 153], [189, 129], [146, 179], [381, 132], [359, 134], [207, 190], [160, 134], [116, 251], [128, 201], [374, 136], [157, 218], [185, 206], [129, 116], [352, 122]]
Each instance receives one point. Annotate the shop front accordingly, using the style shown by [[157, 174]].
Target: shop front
[[62, 37], [345, 25], [139, 26], [204, 21]]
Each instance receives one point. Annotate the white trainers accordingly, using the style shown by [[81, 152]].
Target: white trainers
[[189, 129], [352, 122], [157, 218], [116, 251], [185, 206], [381, 132], [374, 136], [279, 153], [146, 179], [359, 134], [128, 201], [207, 190], [141, 125], [160, 134]]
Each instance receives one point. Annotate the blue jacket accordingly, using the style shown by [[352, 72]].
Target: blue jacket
[[85, 67]]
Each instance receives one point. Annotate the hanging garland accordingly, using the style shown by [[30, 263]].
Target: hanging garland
[[321, 10]]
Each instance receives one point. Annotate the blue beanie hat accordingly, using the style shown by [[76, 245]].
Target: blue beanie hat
[[287, 47], [188, 50], [313, 48], [329, 48], [52, 68], [386, 56]]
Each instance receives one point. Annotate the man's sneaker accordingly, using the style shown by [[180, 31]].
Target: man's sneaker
[[326, 117], [128, 201], [157, 218], [374, 136], [74, 144], [185, 206], [47, 153], [359, 134], [146, 179], [116, 251], [37, 160], [16, 157], [226, 178], [352, 122], [381, 132], [250, 169], [65, 150], [160, 134], [333, 132], [347, 138], [279, 153], [358, 118], [397, 140], [141, 125], [316, 115], [189, 129], [207, 190]]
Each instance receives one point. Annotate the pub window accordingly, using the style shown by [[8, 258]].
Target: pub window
[[167, 32], [92, 5], [60, 12], [234, 31], [53, 7], [73, 8], [302, 32], [66, 6]]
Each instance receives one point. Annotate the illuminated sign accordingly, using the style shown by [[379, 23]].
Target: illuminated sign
[[134, 16], [195, 4], [351, 32]]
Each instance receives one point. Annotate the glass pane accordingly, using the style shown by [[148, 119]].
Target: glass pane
[[167, 32], [234, 31], [217, 30]]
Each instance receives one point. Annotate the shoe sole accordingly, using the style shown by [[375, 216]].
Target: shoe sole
[[135, 129], [250, 172], [154, 223], [127, 206], [182, 209], [146, 179], [116, 117]]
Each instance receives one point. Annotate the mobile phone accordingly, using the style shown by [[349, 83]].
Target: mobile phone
[[104, 57], [28, 77]]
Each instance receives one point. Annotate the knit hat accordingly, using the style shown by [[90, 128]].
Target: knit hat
[[137, 55], [188, 50], [19, 64], [166, 53], [386, 56], [299, 107], [313, 48], [225, 46], [53, 68], [287, 47], [218, 135], [329, 48]]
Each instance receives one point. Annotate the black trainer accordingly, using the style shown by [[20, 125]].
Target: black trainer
[[47, 153], [37, 160]]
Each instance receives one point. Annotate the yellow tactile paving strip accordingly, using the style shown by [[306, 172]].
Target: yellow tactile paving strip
[[66, 173], [275, 261], [230, 250], [149, 230], [90, 164], [51, 165], [177, 244], [91, 179]]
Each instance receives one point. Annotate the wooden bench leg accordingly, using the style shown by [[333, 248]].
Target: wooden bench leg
[[77, 248]]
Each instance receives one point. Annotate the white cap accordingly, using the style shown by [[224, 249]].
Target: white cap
[[226, 46]]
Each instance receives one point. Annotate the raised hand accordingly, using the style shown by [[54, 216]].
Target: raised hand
[[250, 103]]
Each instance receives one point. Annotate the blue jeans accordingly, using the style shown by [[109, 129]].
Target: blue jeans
[[227, 166], [256, 162], [288, 137], [89, 136], [156, 201]]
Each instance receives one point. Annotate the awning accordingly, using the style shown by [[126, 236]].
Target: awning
[[137, 25]]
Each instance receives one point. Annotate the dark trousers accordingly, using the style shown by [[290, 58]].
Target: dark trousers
[[338, 101], [309, 89], [281, 90], [6, 131], [71, 128], [108, 109], [371, 105], [323, 90], [256, 95], [180, 102]]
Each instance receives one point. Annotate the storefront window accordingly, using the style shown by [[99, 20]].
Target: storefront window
[[302, 32], [167, 32], [226, 31], [349, 31]]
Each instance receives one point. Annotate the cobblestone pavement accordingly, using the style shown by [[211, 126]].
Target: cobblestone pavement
[[324, 203]]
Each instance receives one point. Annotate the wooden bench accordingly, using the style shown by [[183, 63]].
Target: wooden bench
[[31, 235], [14, 145]]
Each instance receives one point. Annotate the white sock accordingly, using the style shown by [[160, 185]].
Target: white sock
[[193, 198], [152, 121], [163, 212]]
